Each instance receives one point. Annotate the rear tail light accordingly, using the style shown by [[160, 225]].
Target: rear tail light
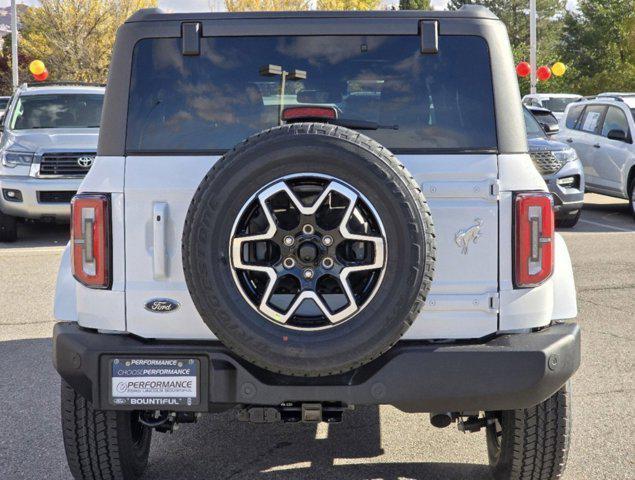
[[308, 113], [534, 242], [90, 237]]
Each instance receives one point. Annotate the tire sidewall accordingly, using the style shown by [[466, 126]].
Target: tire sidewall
[[218, 298]]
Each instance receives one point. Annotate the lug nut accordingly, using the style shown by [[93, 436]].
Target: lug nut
[[308, 229], [327, 262], [288, 263], [289, 240], [327, 241], [308, 274]]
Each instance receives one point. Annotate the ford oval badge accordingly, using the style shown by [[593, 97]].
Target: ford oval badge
[[162, 305]]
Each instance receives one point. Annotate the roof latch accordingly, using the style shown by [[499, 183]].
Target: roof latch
[[191, 38], [429, 34]]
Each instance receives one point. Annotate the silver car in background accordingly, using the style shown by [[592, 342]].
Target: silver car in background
[[49, 140], [555, 102], [602, 131]]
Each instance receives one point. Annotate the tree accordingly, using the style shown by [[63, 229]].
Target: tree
[[6, 77], [265, 5], [414, 5], [347, 4], [515, 16], [599, 40], [74, 38]]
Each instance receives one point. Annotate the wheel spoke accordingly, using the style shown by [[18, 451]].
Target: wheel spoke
[[377, 241], [308, 292], [238, 242]]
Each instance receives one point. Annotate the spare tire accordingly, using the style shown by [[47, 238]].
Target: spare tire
[[308, 249]]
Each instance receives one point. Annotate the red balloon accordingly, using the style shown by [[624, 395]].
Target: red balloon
[[42, 76], [523, 69], [543, 73]]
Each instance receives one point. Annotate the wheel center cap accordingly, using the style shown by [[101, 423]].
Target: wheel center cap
[[308, 252]]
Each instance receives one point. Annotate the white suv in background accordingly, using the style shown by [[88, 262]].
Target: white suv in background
[[556, 102], [49, 142], [601, 131]]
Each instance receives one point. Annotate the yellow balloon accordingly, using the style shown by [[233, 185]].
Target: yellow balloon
[[37, 67], [558, 69]]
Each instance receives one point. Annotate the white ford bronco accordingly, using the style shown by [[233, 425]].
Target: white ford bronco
[[292, 214]]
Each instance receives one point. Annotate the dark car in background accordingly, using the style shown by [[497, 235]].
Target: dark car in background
[[545, 118], [560, 167]]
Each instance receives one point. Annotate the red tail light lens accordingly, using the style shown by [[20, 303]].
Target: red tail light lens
[[308, 113], [90, 237], [534, 242]]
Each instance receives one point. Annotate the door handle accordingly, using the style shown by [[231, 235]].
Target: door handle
[[159, 253], [569, 140], [597, 145]]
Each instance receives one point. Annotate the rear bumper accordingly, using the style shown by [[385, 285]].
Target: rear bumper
[[507, 372], [31, 205]]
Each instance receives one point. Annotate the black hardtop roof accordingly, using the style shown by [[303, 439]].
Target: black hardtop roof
[[159, 15]]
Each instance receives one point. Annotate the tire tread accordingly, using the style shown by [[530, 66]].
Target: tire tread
[[396, 172]]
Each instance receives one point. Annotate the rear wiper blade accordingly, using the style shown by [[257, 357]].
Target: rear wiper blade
[[359, 124]]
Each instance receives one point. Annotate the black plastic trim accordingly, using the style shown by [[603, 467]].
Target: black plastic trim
[[429, 33], [191, 41], [503, 372]]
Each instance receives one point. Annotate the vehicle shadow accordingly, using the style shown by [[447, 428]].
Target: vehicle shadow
[[604, 214], [219, 447], [231, 449], [39, 234]]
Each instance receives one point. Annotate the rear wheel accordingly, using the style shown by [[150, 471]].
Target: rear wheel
[[570, 220], [531, 443], [8, 228], [102, 445]]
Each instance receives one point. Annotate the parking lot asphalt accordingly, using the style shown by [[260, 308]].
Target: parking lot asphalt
[[372, 443]]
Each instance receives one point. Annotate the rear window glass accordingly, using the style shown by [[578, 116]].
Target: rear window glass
[[557, 104], [545, 117], [212, 101], [534, 130], [3, 103]]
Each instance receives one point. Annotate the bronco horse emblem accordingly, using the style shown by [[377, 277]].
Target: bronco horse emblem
[[464, 237]]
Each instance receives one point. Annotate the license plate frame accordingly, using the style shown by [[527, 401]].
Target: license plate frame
[[146, 382]]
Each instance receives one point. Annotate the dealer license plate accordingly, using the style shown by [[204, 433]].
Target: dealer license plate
[[155, 382]]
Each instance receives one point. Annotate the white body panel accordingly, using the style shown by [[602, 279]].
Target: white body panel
[[106, 309], [472, 294]]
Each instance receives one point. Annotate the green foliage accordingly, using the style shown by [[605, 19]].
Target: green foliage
[[596, 42], [6, 81], [281, 5], [599, 40], [515, 16], [265, 5], [74, 38], [347, 4], [414, 5]]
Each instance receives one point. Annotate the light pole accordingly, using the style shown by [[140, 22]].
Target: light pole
[[277, 70], [14, 44], [532, 45]]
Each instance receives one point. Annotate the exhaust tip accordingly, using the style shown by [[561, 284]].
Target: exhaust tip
[[441, 420]]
